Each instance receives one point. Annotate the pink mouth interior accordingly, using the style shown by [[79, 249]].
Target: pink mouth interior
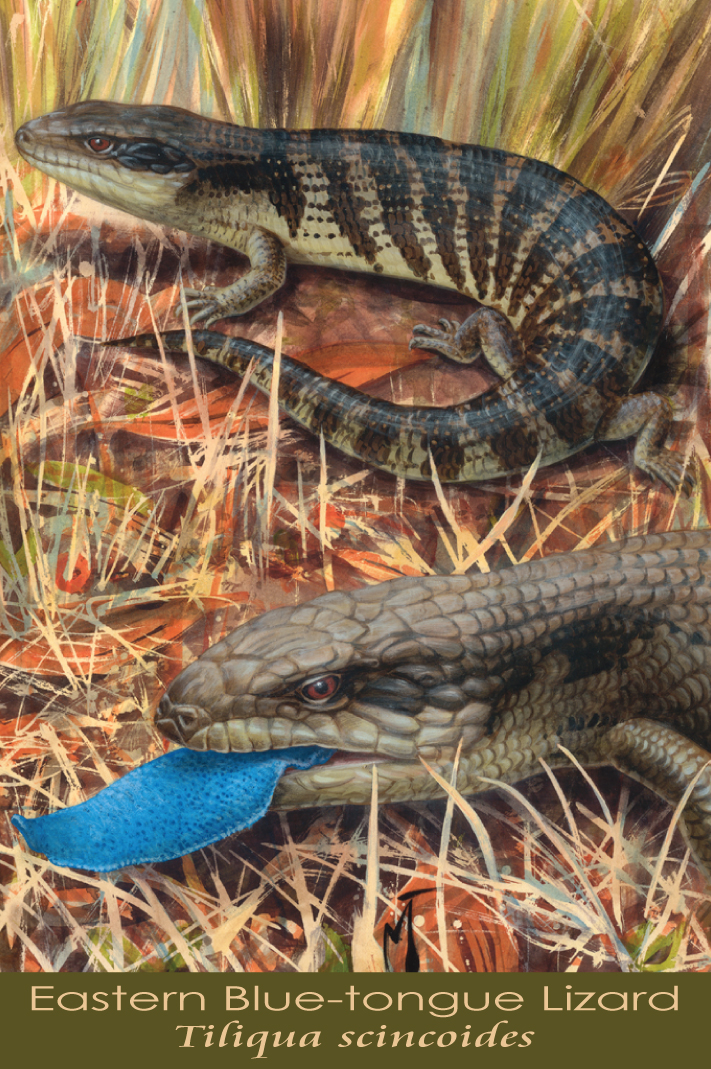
[[348, 757]]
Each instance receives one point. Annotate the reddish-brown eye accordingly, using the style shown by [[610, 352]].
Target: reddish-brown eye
[[321, 689], [98, 144]]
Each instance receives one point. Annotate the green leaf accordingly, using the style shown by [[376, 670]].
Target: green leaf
[[137, 401], [6, 559], [102, 939], [21, 555], [661, 953], [71, 476], [338, 953]]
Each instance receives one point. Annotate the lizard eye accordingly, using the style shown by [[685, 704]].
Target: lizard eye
[[98, 144], [321, 689]]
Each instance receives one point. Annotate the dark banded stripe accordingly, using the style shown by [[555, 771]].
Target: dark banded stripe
[[606, 314], [541, 317], [440, 211], [516, 226], [392, 184], [478, 177], [447, 458], [596, 267], [274, 177], [572, 414], [529, 216], [347, 206], [516, 447]]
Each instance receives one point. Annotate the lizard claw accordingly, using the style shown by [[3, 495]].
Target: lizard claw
[[207, 315], [442, 341], [442, 348], [203, 308], [671, 469], [449, 326]]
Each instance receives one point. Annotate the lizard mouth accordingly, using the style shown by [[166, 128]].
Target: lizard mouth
[[191, 726], [347, 779], [361, 736], [358, 728]]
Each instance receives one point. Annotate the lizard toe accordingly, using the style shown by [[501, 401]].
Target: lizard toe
[[671, 469], [432, 345]]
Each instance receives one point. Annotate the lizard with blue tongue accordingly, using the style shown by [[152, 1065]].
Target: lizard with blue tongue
[[603, 654]]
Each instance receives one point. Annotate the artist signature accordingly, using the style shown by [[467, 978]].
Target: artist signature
[[394, 934]]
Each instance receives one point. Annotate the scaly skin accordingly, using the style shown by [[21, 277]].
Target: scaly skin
[[606, 651], [573, 300]]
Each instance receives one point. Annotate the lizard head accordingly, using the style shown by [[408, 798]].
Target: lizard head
[[380, 675], [128, 157]]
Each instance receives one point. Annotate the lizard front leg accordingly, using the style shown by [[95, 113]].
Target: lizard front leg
[[484, 333], [266, 274], [667, 761], [649, 417]]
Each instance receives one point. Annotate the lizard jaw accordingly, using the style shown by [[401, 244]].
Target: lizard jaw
[[347, 779]]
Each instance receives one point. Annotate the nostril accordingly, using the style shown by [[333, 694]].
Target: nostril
[[170, 729], [180, 723], [188, 721]]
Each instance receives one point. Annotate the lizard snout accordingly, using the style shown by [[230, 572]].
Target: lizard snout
[[180, 723]]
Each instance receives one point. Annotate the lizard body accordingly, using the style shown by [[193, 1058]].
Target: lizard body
[[572, 298], [606, 652]]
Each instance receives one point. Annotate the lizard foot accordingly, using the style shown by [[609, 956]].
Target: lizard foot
[[670, 468], [266, 274], [485, 333], [444, 341], [206, 306], [648, 416]]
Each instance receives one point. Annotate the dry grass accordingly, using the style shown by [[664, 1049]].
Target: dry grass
[[147, 507]]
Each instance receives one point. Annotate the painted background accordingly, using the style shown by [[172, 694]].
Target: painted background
[[146, 509]]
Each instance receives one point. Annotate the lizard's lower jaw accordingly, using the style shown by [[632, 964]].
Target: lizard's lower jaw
[[347, 779]]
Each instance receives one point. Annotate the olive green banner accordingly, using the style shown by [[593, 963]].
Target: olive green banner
[[207, 1019]]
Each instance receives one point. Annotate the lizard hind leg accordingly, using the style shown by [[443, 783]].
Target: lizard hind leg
[[485, 332], [667, 762], [649, 417]]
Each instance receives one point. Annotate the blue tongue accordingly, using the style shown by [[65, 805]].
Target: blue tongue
[[166, 808]]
